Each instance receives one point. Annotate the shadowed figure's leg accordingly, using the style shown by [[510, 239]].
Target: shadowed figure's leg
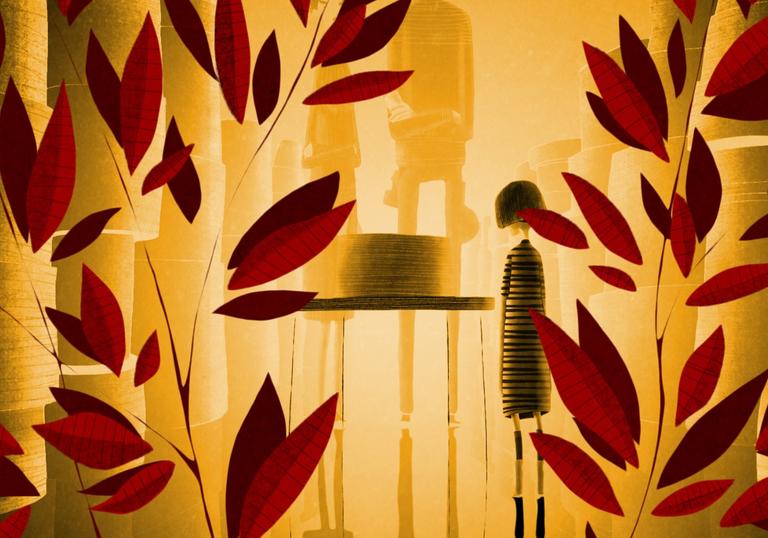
[[540, 517], [519, 513]]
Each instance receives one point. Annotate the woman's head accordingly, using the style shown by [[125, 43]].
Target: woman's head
[[516, 196]]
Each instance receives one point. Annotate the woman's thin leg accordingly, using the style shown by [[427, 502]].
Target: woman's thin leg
[[540, 484], [519, 513]]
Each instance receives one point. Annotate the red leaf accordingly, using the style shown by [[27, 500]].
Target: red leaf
[[166, 170], [614, 277], [94, 440], [688, 7], [83, 233], [713, 433], [744, 62], [588, 532], [341, 33], [731, 284], [266, 78], [14, 483], [358, 87], [265, 305], [13, 525], [18, 150], [692, 498], [148, 362], [302, 10], [609, 123], [609, 225], [346, 5], [762, 440], [625, 102], [305, 202], [747, 103], [676, 58], [682, 235], [289, 247], [104, 85], [377, 30], [606, 358], [699, 376], [262, 430], [600, 446], [656, 209], [102, 320], [284, 473], [9, 446], [641, 70], [745, 5], [64, 6], [233, 55], [750, 507], [52, 179], [71, 328], [703, 188], [186, 21], [185, 185], [73, 401], [577, 471], [759, 230], [584, 389], [141, 486], [555, 227], [75, 8], [141, 92]]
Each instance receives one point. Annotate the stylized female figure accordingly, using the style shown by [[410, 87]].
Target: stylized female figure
[[525, 377]]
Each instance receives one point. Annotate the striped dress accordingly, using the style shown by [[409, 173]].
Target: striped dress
[[525, 378]]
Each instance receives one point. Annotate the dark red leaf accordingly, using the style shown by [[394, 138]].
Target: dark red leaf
[[18, 150], [584, 389], [305, 202], [111, 485], [676, 58], [745, 5], [186, 21], [625, 102], [102, 320], [688, 7], [341, 33], [692, 498], [703, 188], [606, 358], [750, 507], [656, 209], [262, 430], [285, 472], [731, 284], [614, 277], [699, 376], [378, 29], [73, 401], [358, 87], [759, 230], [762, 439], [52, 179], [233, 55], [83, 233], [605, 219], [139, 488], [609, 123], [302, 10], [185, 185], [577, 471], [682, 235], [148, 361], [71, 328], [346, 5], [747, 103], [9, 446], [14, 483], [289, 247], [104, 85], [265, 305], [75, 8], [555, 227], [744, 62], [266, 78], [713, 433], [94, 440], [64, 6], [641, 70], [600, 446], [141, 92], [166, 170], [588, 532], [13, 525]]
